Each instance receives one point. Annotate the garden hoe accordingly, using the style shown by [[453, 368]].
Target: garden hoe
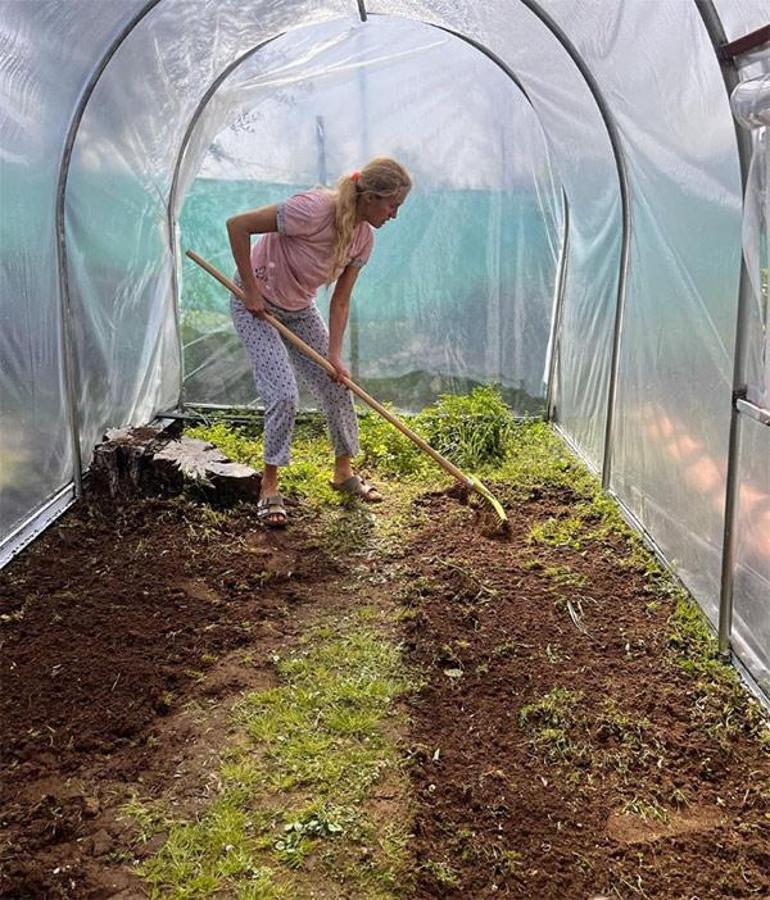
[[469, 481]]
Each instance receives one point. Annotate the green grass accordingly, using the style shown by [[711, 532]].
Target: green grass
[[562, 576], [553, 532], [592, 740], [295, 790], [472, 431], [536, 460], [722, 706], [445, 875]]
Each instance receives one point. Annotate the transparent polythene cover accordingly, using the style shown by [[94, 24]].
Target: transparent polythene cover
[[460, 289]]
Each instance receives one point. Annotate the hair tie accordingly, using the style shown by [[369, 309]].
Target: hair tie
[[355, 176]]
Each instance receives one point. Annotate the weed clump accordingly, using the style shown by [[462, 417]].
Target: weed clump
[[554, 720], [471, 430]]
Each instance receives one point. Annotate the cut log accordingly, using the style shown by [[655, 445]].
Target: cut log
[[153, 460], [199, 463]]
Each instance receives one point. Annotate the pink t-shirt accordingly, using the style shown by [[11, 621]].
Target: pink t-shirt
[[292, 263]]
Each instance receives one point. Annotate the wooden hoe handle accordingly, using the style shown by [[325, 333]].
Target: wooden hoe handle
[[325, 364]]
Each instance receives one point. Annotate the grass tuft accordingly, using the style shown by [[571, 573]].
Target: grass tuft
[[722, 707], [554, 720], [320, 734]]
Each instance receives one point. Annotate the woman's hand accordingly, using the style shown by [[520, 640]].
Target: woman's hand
[[339, 368], [254, 302]]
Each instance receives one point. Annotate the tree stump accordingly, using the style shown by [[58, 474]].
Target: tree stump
[[154, 460]]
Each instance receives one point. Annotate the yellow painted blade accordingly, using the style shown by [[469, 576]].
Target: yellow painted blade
[[487, 495]]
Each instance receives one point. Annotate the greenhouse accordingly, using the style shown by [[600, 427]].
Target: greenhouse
[[578, 277]]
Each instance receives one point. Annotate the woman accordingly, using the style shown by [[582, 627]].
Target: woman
[[313, 238]]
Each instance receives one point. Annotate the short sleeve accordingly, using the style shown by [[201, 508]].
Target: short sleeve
[[362, 248], [304, 214]]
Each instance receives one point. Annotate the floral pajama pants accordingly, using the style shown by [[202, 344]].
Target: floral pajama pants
[[275, 362]]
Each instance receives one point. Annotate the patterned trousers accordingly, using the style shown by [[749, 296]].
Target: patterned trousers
[[275, 362]]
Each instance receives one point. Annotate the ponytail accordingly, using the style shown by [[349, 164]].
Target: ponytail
[[381, 176]]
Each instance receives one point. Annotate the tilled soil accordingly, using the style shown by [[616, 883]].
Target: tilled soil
[[122, 616], [125, 636], [638, 801]]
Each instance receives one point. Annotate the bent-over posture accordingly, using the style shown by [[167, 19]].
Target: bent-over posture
[[316, 237]]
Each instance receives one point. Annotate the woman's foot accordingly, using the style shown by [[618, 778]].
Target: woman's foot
[[357, 487], [270, 508], [271, 511]]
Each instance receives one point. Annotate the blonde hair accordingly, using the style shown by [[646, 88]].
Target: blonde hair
[[381, 176]]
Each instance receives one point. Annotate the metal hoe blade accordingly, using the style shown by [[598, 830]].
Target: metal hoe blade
[[482, 489]]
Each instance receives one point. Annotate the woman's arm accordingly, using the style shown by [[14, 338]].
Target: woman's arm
[[338, 316], [240, 229]]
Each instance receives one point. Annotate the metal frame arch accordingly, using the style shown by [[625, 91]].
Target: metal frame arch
[[173, 191], [228, 70], [613, 135], [625, 202], [70, 375], [532, 5], [553, 343]]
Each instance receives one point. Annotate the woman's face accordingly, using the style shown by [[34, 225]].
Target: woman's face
[[377, 209]]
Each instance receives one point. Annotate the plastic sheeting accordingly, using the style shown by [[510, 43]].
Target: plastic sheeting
[[117, 222], [740, 17], [751, 622], [661, 80], [582, 156], [459, 290], [46, 61], [756, 229], [678, 330]]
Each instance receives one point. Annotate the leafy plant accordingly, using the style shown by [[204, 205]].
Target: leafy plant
[[384, 447], [470, 430]]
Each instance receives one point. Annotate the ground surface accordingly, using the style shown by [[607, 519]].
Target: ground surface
[[563, 733]]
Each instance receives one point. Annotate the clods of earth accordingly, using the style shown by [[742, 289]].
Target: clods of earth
[[386, 701]]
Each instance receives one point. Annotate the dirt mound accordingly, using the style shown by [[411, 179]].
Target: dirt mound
[[550, 703]]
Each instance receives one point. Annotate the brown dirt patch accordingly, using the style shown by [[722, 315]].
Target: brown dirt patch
[[630, 829], [502, 814], [130, 628], [127, 632]]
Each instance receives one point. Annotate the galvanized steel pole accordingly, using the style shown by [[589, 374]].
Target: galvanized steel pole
[[561, 280], [67, 341], [731, 78]]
